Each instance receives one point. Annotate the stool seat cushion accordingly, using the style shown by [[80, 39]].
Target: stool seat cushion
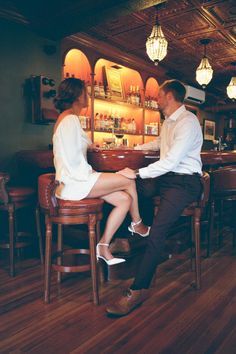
[[66, 207], [20, 193], [80, 203]]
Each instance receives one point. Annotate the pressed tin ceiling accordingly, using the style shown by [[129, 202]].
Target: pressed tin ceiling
[[126, 25]]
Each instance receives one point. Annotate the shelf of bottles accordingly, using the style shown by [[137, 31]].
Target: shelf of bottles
[[121, 113], [76, 65], [151, 115]]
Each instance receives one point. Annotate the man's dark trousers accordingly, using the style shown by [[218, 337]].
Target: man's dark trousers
[[176, 192]]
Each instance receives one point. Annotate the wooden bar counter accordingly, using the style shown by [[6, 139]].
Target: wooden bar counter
[[32, 163]]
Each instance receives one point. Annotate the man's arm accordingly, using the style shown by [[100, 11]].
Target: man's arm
[[185, 137], [152, 145]]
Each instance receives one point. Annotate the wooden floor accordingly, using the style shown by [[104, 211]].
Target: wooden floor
[[175, 319]]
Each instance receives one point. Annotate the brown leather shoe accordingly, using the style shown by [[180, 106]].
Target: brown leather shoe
[[127, 302]]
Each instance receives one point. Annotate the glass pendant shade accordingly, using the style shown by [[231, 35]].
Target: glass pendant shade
[[156, 45], [231, 88], [204, 72]]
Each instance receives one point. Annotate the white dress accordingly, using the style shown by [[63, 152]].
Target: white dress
[[70, 144]]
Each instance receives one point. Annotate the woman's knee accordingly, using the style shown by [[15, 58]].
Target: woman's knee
[[124, 199]]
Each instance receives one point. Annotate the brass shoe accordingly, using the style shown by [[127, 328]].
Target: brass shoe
[[127, 302]]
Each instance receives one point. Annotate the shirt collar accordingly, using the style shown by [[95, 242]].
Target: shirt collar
[[174, 116]]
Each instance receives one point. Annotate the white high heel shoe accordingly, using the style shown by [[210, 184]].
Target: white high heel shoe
[[133, 231], [108, 261]]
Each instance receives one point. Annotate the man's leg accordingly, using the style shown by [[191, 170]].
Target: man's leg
[[147, 189], [176, 193]]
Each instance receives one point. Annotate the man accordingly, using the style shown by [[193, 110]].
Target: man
[[175, 177]]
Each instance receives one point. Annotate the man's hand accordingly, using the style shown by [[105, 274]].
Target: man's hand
[[94, 147], [128, 173]]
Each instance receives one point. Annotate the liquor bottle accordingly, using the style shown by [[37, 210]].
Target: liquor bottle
[[137, 96], [133, 125], [110, 123], [124, 124], [128, 99], [101, 90], [116, 123], [108, 93], [89, 123], [129, 126], [106, 123], [88, 85], [97, 125], [133, 95], [96, 89]]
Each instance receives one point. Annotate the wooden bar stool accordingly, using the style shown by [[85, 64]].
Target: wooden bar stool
[[194, 210], [13, 199], [223, 188], [66, 212]]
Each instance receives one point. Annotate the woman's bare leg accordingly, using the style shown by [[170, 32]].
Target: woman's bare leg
[[121, 202], [109, 187], [112, 182]]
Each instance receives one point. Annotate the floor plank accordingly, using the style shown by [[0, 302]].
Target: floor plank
[[175, 319]]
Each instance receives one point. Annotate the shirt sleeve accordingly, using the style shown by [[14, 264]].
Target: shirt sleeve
[[152, 145], [183, 140]]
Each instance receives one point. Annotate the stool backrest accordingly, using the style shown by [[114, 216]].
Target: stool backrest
[[224, 180], [205, 179], [46, 193], [4, 178]]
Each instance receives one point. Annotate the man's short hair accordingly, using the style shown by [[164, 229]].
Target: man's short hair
[[176, 88]]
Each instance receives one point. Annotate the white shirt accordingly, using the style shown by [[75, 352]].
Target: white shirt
[[180, 144], [70, 144]]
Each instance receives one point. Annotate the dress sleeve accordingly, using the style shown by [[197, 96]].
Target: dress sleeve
[[74, 164]]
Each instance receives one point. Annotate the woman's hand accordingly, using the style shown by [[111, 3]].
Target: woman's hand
[[128, 173], [94, 147]]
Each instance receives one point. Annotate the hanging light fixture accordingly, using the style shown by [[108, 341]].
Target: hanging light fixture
[[204, 71], [231, 88], [156, 44]]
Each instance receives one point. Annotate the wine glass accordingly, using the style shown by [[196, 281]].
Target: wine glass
[[108, 142], [119, 136]]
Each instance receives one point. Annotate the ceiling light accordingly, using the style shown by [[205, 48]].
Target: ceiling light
[[204, 71], [156, 44], [231, 88]]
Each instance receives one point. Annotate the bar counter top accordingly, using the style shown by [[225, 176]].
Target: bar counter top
[[116, 159], [32, 163]]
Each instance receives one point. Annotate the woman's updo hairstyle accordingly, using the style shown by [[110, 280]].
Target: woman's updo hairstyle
[[68, 91]]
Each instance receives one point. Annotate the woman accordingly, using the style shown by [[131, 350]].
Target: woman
[[78, 179]]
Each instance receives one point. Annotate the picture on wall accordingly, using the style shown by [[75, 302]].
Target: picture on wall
[[209, 129], [114, 83]]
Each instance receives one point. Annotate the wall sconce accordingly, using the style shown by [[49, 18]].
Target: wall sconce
[[204, 71]]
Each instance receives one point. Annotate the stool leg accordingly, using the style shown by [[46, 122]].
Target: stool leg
[[48, 260], [93, 260], [234, 224], [210, 232], [39, 233], [59, 249], [11, 239], [220, 224], [197, 215], [192, 242]]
